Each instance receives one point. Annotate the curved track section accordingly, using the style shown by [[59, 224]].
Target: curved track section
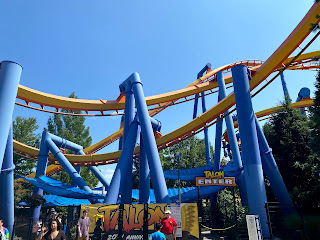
[[276, 61]]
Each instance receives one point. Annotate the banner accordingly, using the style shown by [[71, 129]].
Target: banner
[[133, 216]]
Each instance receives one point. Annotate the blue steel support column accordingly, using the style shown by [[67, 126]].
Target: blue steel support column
[[195, 106], [303, 93], [121, 138], [218, 138], [156, 172], [272, 172], [128, 109], [250, 147], [10, 73], [128, 117], [217, 146], [206, 137], [41, 171], [78, 169], [64, 143], [67, 165], [199, 75], [7, 189], [230, 128], [144, 175], [232, 138], [284, 87], [122, 166], [96, 172]]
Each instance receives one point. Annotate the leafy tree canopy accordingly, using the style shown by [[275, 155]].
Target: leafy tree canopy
[[24, 132], [73, 129], [288, 135], [192, 154]]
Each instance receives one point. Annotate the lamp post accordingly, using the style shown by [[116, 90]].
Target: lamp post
[[178, 157]]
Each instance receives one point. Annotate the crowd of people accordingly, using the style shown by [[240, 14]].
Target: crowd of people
[[52, 228]]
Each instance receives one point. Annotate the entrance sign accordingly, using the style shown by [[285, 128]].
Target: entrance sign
[[227, 181], [186, 216], [212, 178]]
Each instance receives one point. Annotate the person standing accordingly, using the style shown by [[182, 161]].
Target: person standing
[[4, 231], [169, 226], [54, 232], [83, 226], [157, 235]]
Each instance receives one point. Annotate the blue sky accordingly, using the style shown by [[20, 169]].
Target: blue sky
[[90, 47]]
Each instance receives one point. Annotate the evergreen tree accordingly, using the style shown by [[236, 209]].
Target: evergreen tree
[[315, 118], [288, 135], [73, 129]]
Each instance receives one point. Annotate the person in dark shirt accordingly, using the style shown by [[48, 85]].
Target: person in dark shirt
[[97, 231], [54, 232]]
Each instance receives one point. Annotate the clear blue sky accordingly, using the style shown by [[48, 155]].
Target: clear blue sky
[[90, 47]]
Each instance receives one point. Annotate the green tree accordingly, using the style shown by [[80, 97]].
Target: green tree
[[315, 118], [193, 155], [288, 135], [73, 129], [24, 132]]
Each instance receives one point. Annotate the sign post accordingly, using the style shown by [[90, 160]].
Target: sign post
[[176, 214], [254, 227]]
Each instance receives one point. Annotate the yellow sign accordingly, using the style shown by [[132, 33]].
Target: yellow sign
[[133, 219], [227, 181], [212, 174]]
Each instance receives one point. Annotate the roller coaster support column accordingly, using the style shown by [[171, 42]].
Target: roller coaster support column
[[144, 175], [144, 171], [128, 117], [250, 146], [230, 128], [156, 172], [96, 172], [41, 171], [78, 169], [206, 137], [218, 139], [7, 189], [303, 93], [122, 166], [195, 106], [67, 166], [232, 138], [272, 172], [121, 138], [284, 87], [10, 73]]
